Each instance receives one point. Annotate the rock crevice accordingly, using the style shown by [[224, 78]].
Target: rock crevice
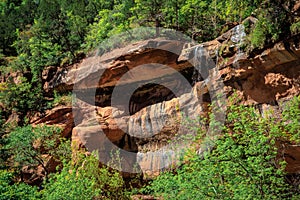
[[150, 117]]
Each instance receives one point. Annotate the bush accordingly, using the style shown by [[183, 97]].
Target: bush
[[291, 118], [21, 97], [85, 180], [27, 145], [15, 191], [70, 184], [272, 20], [65, 100], [243, 165], [295, 27]]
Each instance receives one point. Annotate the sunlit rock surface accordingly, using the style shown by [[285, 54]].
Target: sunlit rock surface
[[150, 120]]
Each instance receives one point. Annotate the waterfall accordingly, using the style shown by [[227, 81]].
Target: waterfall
[[202, 64], [197, 61], [238, 37]]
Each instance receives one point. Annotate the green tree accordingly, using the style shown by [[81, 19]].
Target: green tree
[[15, 191], [3, 153], [243, 165], [172, 15], [291, 118], [149, 13], [27, 145], [109, 22], [195, 19], [69, 184], [21, 97], [272, 20], [14, 14], [85, 180]]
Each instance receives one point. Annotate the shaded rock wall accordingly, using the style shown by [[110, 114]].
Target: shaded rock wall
[[141, 127]]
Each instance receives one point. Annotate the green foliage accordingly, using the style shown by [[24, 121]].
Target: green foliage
[[11, 191], [48, 40], [108, 22], [28, 144], [14, 14], [36, 51], [259, 34], [70, 184], [148, 12], [236, 10], [272, 19], [20, 97], [65, 100], [65, 25], [291, 119], [192, 15], [243, 165], [3, 153], [99, 30], [85, 180], [295, 27]]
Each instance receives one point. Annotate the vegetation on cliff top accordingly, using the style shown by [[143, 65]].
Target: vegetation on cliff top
[[35, 34]]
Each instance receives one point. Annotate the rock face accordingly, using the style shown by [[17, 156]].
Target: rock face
[[34, 175], [59, 116], [113, 65], [292, 157], [142, 113]]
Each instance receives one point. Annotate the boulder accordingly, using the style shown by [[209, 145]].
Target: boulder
[[60, 116]]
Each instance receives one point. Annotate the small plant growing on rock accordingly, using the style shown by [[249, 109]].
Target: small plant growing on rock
[[62, 100]]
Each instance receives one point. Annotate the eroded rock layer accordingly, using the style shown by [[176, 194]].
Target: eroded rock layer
[[150, 117]]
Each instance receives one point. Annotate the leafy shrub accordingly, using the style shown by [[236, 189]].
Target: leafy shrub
[[21, 97], [3, 153], [243, 165], [295, 27], [291, 118], [272, 19], [28, 144], [108, 23], [9, 190], [259, 34], [82, 180], [70, 184], [65, 100], [85, 180]]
